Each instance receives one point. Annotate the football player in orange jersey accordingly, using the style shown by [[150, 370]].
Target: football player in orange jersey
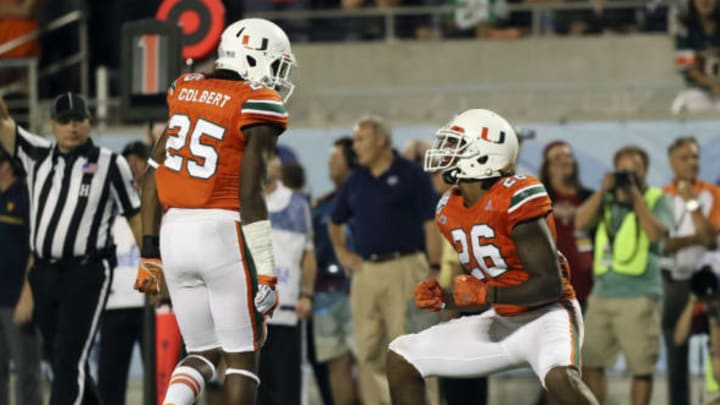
[[214, 256], [503, 230]]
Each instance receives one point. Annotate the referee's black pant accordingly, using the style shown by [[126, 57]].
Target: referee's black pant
[[69, 299]]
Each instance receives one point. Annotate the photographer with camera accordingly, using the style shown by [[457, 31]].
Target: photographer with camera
[[696, 208], [623, 311], [701, 314]]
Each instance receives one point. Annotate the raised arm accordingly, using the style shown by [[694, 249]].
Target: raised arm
[[649, 223], [684, 323], [588, 213], [21, 9], [7, 129]]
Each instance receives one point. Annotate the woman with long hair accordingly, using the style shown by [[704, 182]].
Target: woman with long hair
[[560, 174]]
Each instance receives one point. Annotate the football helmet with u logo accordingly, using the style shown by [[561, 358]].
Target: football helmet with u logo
[[259, 51], [477, 144]]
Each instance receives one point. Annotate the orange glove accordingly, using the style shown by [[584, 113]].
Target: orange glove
[[149, 278], [266, 298], [469, 291], [429, 295]]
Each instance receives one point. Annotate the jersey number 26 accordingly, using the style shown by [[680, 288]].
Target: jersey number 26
[[203, 153], [487, 256]]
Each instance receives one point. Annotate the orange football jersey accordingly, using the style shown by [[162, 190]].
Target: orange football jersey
[[205, 142], [481, 233]]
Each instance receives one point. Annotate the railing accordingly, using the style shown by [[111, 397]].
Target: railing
[[540, 12], [31, 64]]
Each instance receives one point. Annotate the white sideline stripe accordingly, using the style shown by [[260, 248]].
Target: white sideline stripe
[[91, 334], [518, 205]]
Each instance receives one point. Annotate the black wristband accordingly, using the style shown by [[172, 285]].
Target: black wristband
[[150, 247], [435, 267], [492, 295]]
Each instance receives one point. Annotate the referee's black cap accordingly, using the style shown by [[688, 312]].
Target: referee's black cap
[[69, 105]]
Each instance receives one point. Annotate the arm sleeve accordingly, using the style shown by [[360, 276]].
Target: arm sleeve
[[122, 188], [263, 106], [30, 147]]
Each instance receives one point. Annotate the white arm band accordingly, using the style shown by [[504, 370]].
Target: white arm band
[[259, 243]]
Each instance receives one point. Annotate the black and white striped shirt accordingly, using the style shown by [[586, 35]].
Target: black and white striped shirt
[[74, 197]]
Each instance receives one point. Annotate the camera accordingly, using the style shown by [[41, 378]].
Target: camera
[[704, 283], [623, 178]]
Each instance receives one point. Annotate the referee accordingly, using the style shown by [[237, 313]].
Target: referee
[[76, 190]]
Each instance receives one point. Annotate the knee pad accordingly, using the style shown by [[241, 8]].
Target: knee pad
[[244, 373], [206, 361]]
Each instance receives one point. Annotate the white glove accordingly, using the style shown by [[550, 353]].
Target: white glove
[[266, 298]]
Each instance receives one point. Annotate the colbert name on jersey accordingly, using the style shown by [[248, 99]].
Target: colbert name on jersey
[[205, 141]]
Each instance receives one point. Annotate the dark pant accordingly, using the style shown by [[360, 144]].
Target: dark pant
[[464, 391], [19, 344], [320, 370], [280, 373], [69, 300], [120, 330], [675, 298]]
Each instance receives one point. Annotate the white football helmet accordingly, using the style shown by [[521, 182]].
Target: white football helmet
[[259, 51], [477, 144]]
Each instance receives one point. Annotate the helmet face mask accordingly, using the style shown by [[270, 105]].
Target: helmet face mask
[[449, 146], [259, 51], [477, 144], [283, 75]]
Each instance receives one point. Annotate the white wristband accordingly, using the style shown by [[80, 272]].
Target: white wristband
[[259, 242]]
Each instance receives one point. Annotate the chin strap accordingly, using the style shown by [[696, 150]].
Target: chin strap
[[450, 176]]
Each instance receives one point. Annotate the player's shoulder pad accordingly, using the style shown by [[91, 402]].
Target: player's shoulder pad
[[522, 189], [185, 77], [264, 101], [258, 90]]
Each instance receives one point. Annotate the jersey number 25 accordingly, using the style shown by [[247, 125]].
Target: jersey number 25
[[203, 153], [487, 256]]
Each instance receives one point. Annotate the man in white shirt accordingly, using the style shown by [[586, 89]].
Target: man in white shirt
[[281, 356], [696, 206]]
